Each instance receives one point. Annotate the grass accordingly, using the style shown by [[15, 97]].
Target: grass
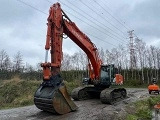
[[134, 84], [71, 85], [17, 93], [142, 109]]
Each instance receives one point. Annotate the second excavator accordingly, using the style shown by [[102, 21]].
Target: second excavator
[[52, 95]]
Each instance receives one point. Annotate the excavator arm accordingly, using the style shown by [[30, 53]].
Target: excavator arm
[[73, 32], [53, 42], [59, 23]]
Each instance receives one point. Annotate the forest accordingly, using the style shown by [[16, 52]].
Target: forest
[[141, 63]]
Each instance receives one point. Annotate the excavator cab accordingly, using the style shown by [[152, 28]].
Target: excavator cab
[[109, 76]]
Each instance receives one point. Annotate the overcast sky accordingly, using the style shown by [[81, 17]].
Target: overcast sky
[[23, 24]]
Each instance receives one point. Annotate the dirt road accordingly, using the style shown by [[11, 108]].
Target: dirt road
[[88, 110]]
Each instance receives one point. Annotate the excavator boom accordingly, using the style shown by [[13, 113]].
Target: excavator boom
[[85, 44]]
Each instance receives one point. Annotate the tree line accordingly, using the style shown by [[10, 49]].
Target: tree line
[[146, 62]]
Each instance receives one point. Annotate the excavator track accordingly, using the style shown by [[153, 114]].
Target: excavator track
[[107, 96], [80, 93], [53, 97], [112, 95]]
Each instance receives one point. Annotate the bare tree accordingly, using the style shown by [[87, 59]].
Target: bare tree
[[102, 55], [38, 67], [18, 61], [140, 47], [123, 59], [109, 57], [66, 62], [83, 60], [153, 54], [7, 63], [29, 68], [3, 56]]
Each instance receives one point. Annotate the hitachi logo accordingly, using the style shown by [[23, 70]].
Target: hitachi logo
[[77, 35]]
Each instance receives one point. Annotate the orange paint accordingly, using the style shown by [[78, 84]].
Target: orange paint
[[119, 79]]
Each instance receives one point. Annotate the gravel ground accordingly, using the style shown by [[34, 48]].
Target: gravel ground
[[91, 109]]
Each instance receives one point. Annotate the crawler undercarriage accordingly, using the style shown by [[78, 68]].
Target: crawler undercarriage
[[107, 95]]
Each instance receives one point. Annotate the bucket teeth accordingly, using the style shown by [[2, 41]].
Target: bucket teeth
[[65, 94]]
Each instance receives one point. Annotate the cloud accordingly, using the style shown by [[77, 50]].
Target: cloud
[[13, 13], [24, 28], [145, 17]]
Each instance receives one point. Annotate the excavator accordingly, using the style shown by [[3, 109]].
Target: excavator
[[153, 88], [52, 94]]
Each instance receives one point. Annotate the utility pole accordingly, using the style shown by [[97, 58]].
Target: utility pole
[[132, 52]]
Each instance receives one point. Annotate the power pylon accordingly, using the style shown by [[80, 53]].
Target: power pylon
[[132, 52]]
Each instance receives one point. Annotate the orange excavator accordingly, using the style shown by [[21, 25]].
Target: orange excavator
[[52, 95], [153, 88]]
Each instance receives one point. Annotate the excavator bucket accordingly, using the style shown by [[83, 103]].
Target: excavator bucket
[[52, 96]]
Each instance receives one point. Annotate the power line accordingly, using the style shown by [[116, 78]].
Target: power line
[[92, 22], [95, 19], [88, 24], [109, 14], [32, 6], [122, 23], [101, 16], [47, 14], [101, 27], [112, 15], [100, 39], [101, 12]]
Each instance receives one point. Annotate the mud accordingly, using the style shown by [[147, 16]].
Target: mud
[[91, 109]]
